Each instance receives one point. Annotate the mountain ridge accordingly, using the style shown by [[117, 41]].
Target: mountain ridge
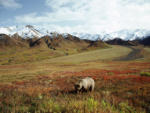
[[52, 41], [29, 31]]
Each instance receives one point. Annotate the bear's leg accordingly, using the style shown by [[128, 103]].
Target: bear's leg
[[91, 88]]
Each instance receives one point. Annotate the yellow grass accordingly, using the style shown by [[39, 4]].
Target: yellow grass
[[98, 101], [76, 62], [101, 54], [147, 49]]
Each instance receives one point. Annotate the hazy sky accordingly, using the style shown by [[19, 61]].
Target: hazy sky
[[91, 16]]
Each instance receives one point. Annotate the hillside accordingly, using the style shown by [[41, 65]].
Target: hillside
[[108, 54], [15, 49], [119, 41], [10, 42], [56, 64], [145, 41], [48, 85]]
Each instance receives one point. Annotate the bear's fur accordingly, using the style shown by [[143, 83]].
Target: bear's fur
[[86, 84]]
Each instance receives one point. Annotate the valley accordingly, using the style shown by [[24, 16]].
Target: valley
[[47, 85], [70, 56]]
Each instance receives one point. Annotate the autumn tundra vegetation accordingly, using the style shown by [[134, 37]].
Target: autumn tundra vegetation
[[36, 78]]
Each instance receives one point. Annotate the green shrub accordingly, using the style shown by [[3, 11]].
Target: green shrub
[[145, 74], [125, 108], [92, 104], [55, 107]]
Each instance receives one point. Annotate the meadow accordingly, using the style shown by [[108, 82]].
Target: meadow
[[47, 85]]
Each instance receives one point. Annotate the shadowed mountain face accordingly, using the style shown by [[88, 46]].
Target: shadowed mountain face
[[145, 41], [98, 43], [118, 41], [67, 42], [59, 41], [55, 41], [15, 49], [14, 41]]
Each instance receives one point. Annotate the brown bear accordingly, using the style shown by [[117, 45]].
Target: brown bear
[[84, 85]]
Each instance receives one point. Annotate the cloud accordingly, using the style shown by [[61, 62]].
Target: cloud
[[63, 15], [69, 4], [10, 4], [136, 2], [92, 16]]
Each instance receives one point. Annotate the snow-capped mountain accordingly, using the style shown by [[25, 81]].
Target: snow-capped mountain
[[123, 34], [36, 31], [128, 34], [7, 30], [87, 36], [23, 31]]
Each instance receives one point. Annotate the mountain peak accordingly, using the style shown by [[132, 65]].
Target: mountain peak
[[29, 26], [30, 31], [23, 31]]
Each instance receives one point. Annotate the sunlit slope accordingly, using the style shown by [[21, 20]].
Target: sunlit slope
[[29, 70], [101, 54], [147, 49]]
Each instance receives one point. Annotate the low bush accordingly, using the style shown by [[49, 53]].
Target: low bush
[[145, 74]]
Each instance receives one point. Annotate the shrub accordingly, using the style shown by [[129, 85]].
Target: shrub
[[125, 108], [145, 74], [92, 105], [55, 107]]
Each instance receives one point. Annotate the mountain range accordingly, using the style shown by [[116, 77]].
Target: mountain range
[[29, 31], [28, 44], [53, 41]]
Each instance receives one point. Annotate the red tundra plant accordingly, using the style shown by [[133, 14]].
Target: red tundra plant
[[142, 79], [134, 78], [104, 74]]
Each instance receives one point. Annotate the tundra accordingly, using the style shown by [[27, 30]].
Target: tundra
[[86, 84]]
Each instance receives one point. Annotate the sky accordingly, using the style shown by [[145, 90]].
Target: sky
[[91, 16]]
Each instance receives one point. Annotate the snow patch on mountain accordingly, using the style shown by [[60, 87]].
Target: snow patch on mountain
[[123, 34], [87, 36], [128, 34], [7, 30], [37, 31], [23, 31]]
